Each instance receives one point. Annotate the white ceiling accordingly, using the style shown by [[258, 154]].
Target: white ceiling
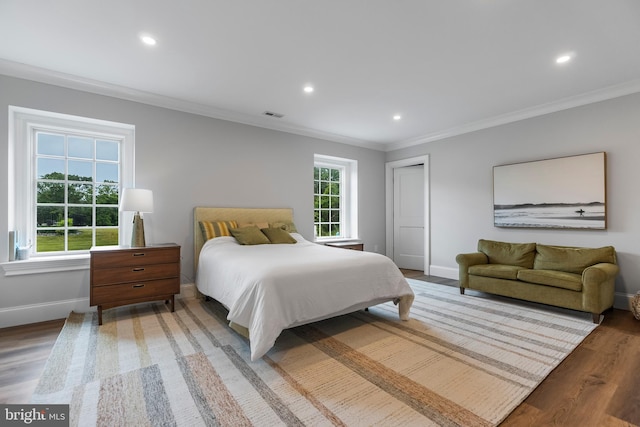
[[447, 66]]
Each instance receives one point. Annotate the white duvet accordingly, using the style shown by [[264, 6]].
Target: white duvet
[[268, 288]]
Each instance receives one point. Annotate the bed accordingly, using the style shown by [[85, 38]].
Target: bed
[[271, 287]]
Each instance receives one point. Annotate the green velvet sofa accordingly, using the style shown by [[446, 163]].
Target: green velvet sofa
[[570, 277]]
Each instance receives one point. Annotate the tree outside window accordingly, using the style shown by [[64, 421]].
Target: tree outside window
[[327, 201], [76, 192]]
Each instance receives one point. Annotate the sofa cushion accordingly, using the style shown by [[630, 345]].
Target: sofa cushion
[[557, 279], [571, 260], [519, 254], [498, 271]]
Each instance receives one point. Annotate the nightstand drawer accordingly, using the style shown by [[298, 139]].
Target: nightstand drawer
[[135, 257], [132, 291], [108, 276]]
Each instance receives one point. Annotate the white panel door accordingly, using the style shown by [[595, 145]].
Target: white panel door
[[408, 217]]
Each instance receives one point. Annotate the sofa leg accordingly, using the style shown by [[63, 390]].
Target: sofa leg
[[461, 290], [596, 317]]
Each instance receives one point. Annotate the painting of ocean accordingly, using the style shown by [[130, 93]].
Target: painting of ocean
[[565, 192]]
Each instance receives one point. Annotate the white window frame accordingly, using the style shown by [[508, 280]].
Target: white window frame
[[348, 193], [23, 124]]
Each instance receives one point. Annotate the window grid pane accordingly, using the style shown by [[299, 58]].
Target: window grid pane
[[327, 201], [73, 210]]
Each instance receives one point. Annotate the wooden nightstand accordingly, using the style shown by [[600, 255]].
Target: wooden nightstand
[[356, 246], [122, 275]]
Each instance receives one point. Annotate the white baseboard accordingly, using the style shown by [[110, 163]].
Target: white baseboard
[[622, 301], [188, 290], [446, 272], [34, 313]]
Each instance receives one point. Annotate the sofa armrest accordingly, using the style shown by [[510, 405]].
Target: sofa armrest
[[599, 273], [467, 260], [598, 286]]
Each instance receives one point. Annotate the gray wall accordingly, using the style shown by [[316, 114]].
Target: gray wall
[[187, 160], [461, 182]]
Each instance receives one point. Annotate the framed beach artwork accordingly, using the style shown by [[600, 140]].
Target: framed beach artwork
[[566, 192]]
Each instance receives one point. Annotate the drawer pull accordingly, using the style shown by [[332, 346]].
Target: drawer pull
[[139, 254], [138, 269], [141, 285]]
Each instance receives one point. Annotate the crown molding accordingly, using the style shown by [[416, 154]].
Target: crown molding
[[598, 95], [42, 75], [28, 72]]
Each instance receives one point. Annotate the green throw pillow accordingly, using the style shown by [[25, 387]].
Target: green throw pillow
[[249, 236], [287, 226], [278, 235]]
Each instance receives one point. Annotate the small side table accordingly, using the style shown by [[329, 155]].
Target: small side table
[[353, 245], [122, 275]]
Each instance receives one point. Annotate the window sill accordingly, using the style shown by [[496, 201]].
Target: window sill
[[46, 265], [342, 240]]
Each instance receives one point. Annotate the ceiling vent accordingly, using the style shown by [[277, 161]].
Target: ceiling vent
[[272, 114]]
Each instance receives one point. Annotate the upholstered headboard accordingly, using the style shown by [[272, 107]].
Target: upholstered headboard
[[241, 215]]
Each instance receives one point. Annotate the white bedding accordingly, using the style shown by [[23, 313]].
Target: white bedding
[[268, 288]]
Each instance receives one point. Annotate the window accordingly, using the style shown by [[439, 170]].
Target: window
[[335, 198], [76, 191], [68, 173]]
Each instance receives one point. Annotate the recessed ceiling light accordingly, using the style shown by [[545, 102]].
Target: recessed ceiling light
[[148, 40], [308, 89], [562, 59], [397, 117]]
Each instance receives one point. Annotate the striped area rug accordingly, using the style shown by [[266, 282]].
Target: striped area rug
[[464, 360]]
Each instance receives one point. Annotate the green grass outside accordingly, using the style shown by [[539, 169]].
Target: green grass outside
[[82, 240]]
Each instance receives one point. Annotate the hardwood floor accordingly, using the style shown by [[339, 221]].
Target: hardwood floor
[[596, 385], [23, 353]]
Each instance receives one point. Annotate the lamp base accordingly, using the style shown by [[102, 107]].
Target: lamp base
[[137, 235]]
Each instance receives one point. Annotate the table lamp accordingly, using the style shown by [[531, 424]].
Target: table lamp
[[137, 200]]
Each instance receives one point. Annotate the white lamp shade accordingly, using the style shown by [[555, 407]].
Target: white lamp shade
[[136, 200]]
